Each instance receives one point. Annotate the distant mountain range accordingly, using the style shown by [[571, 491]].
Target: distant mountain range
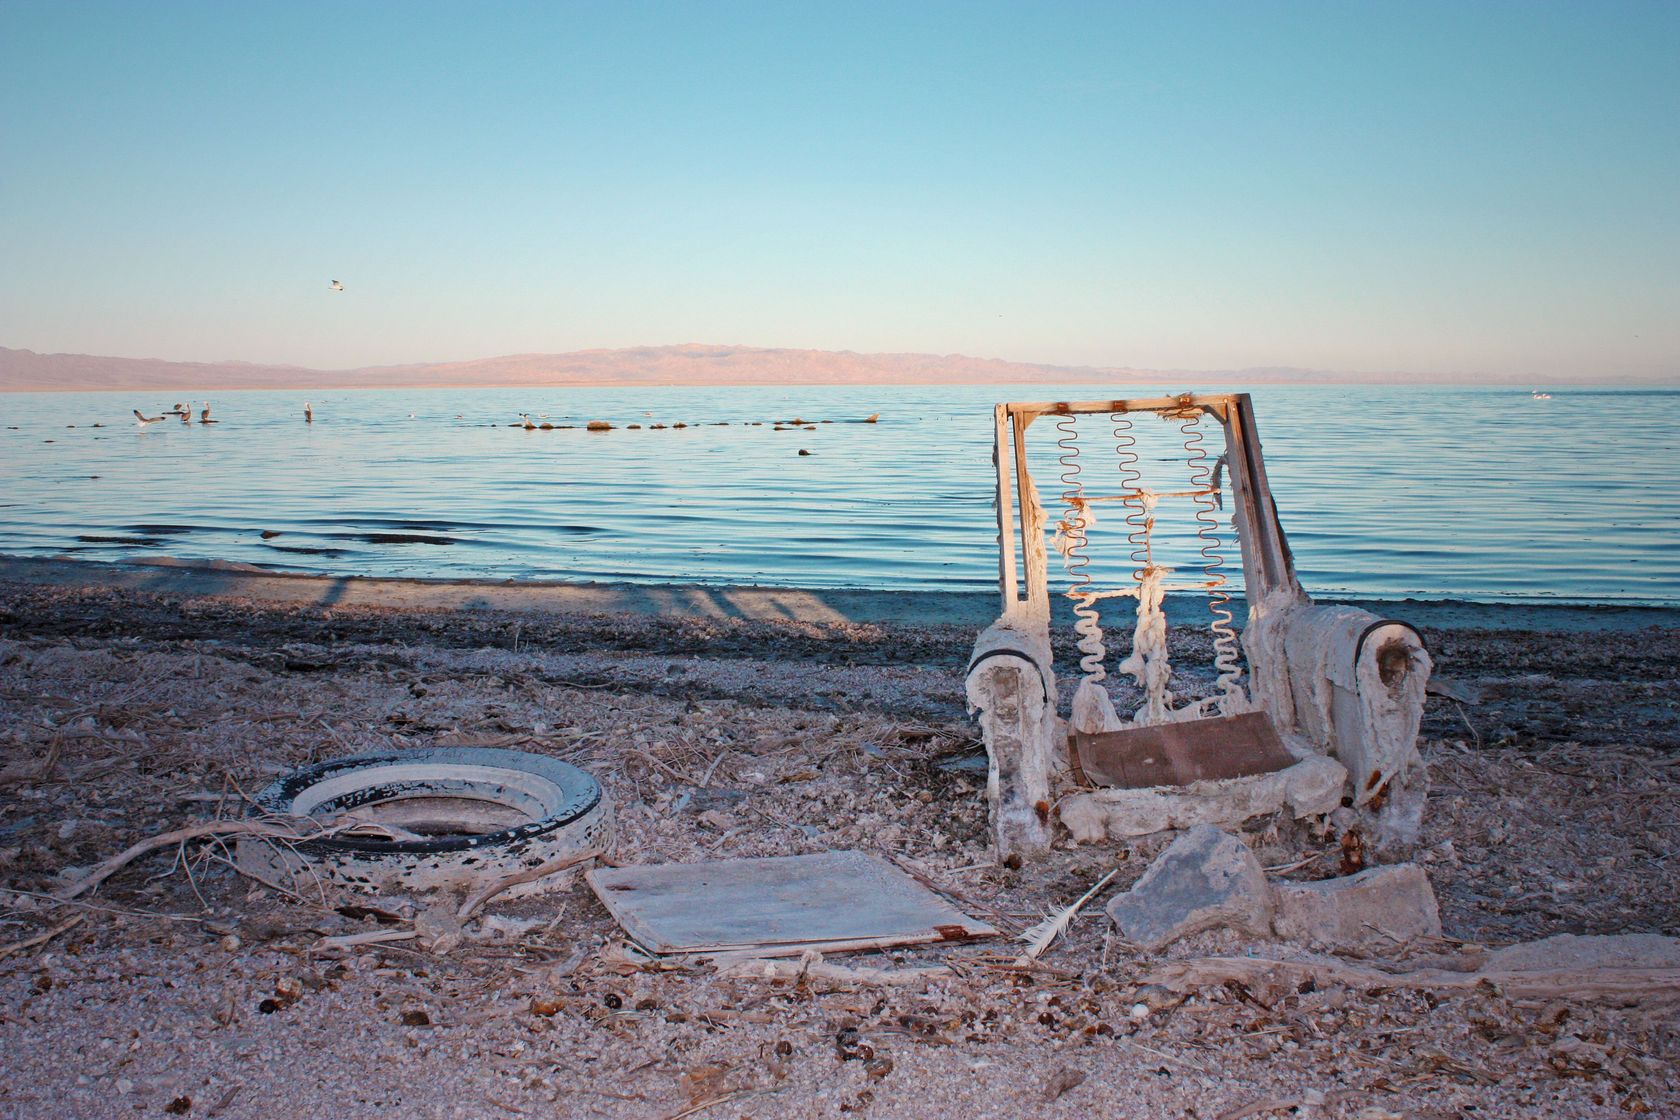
[[690, 364]]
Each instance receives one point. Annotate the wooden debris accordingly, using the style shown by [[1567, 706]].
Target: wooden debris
[[1176, 754], [40, 938], [1533, 977], [812, 967], [102, 871], [552, 867], [1261, 1108], [371, 937]]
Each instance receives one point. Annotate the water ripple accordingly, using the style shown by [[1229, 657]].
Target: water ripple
[[1384, 491]]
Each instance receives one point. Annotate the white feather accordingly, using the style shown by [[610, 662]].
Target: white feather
[[1044, 934]]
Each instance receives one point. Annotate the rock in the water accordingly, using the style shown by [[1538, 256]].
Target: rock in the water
[[1206, 878], [1375, 909]]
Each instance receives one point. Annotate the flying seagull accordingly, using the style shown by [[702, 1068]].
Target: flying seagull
[[143, 420], [338, 285]]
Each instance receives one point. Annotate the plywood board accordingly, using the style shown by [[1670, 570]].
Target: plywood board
[[1176, 754], [778, 906]]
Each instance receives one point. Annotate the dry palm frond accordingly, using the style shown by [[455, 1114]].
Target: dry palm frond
[[1044, 934]]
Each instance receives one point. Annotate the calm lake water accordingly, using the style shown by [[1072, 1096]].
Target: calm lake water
[[1384, 491]]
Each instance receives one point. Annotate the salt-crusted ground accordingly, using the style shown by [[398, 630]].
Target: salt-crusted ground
[[199, 994]]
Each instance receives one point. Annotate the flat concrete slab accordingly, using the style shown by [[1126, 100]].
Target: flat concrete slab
[[780, 906]]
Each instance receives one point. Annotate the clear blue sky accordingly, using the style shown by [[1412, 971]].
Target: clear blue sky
[[1469, 187]]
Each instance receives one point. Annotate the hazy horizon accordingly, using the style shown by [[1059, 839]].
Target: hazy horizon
[[1437, 189], [691, 364]]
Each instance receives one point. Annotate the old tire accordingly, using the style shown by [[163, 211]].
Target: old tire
[[453, 818]]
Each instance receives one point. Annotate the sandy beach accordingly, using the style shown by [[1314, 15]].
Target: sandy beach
[[744, 723], [876, 562]]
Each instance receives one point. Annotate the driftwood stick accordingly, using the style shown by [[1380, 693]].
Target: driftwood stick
[[1260, 1108], [371, 937], [40, 938], [841, 975], [552, 867], [109, 867], [1645, 985]]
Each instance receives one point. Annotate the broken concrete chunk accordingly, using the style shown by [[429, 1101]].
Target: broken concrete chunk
[[1311, 787], [1206, 878], [1376, 909]]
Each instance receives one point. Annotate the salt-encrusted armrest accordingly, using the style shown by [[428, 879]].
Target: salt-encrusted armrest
[[1352, 684], [1013, 687]]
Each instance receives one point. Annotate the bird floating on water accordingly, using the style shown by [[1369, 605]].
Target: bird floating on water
[[142, 419], [308, 413], [338, 285], [204, 416]]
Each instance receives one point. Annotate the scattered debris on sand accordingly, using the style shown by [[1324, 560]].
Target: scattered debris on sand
[[174, 983]]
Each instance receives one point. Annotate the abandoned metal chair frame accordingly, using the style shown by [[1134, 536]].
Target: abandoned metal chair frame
[[1343, 687]]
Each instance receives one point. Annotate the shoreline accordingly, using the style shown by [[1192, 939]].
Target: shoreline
[[748, 602]]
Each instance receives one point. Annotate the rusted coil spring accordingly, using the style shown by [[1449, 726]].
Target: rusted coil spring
[[1213, 559], [1075, 554], [1131, 485]]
